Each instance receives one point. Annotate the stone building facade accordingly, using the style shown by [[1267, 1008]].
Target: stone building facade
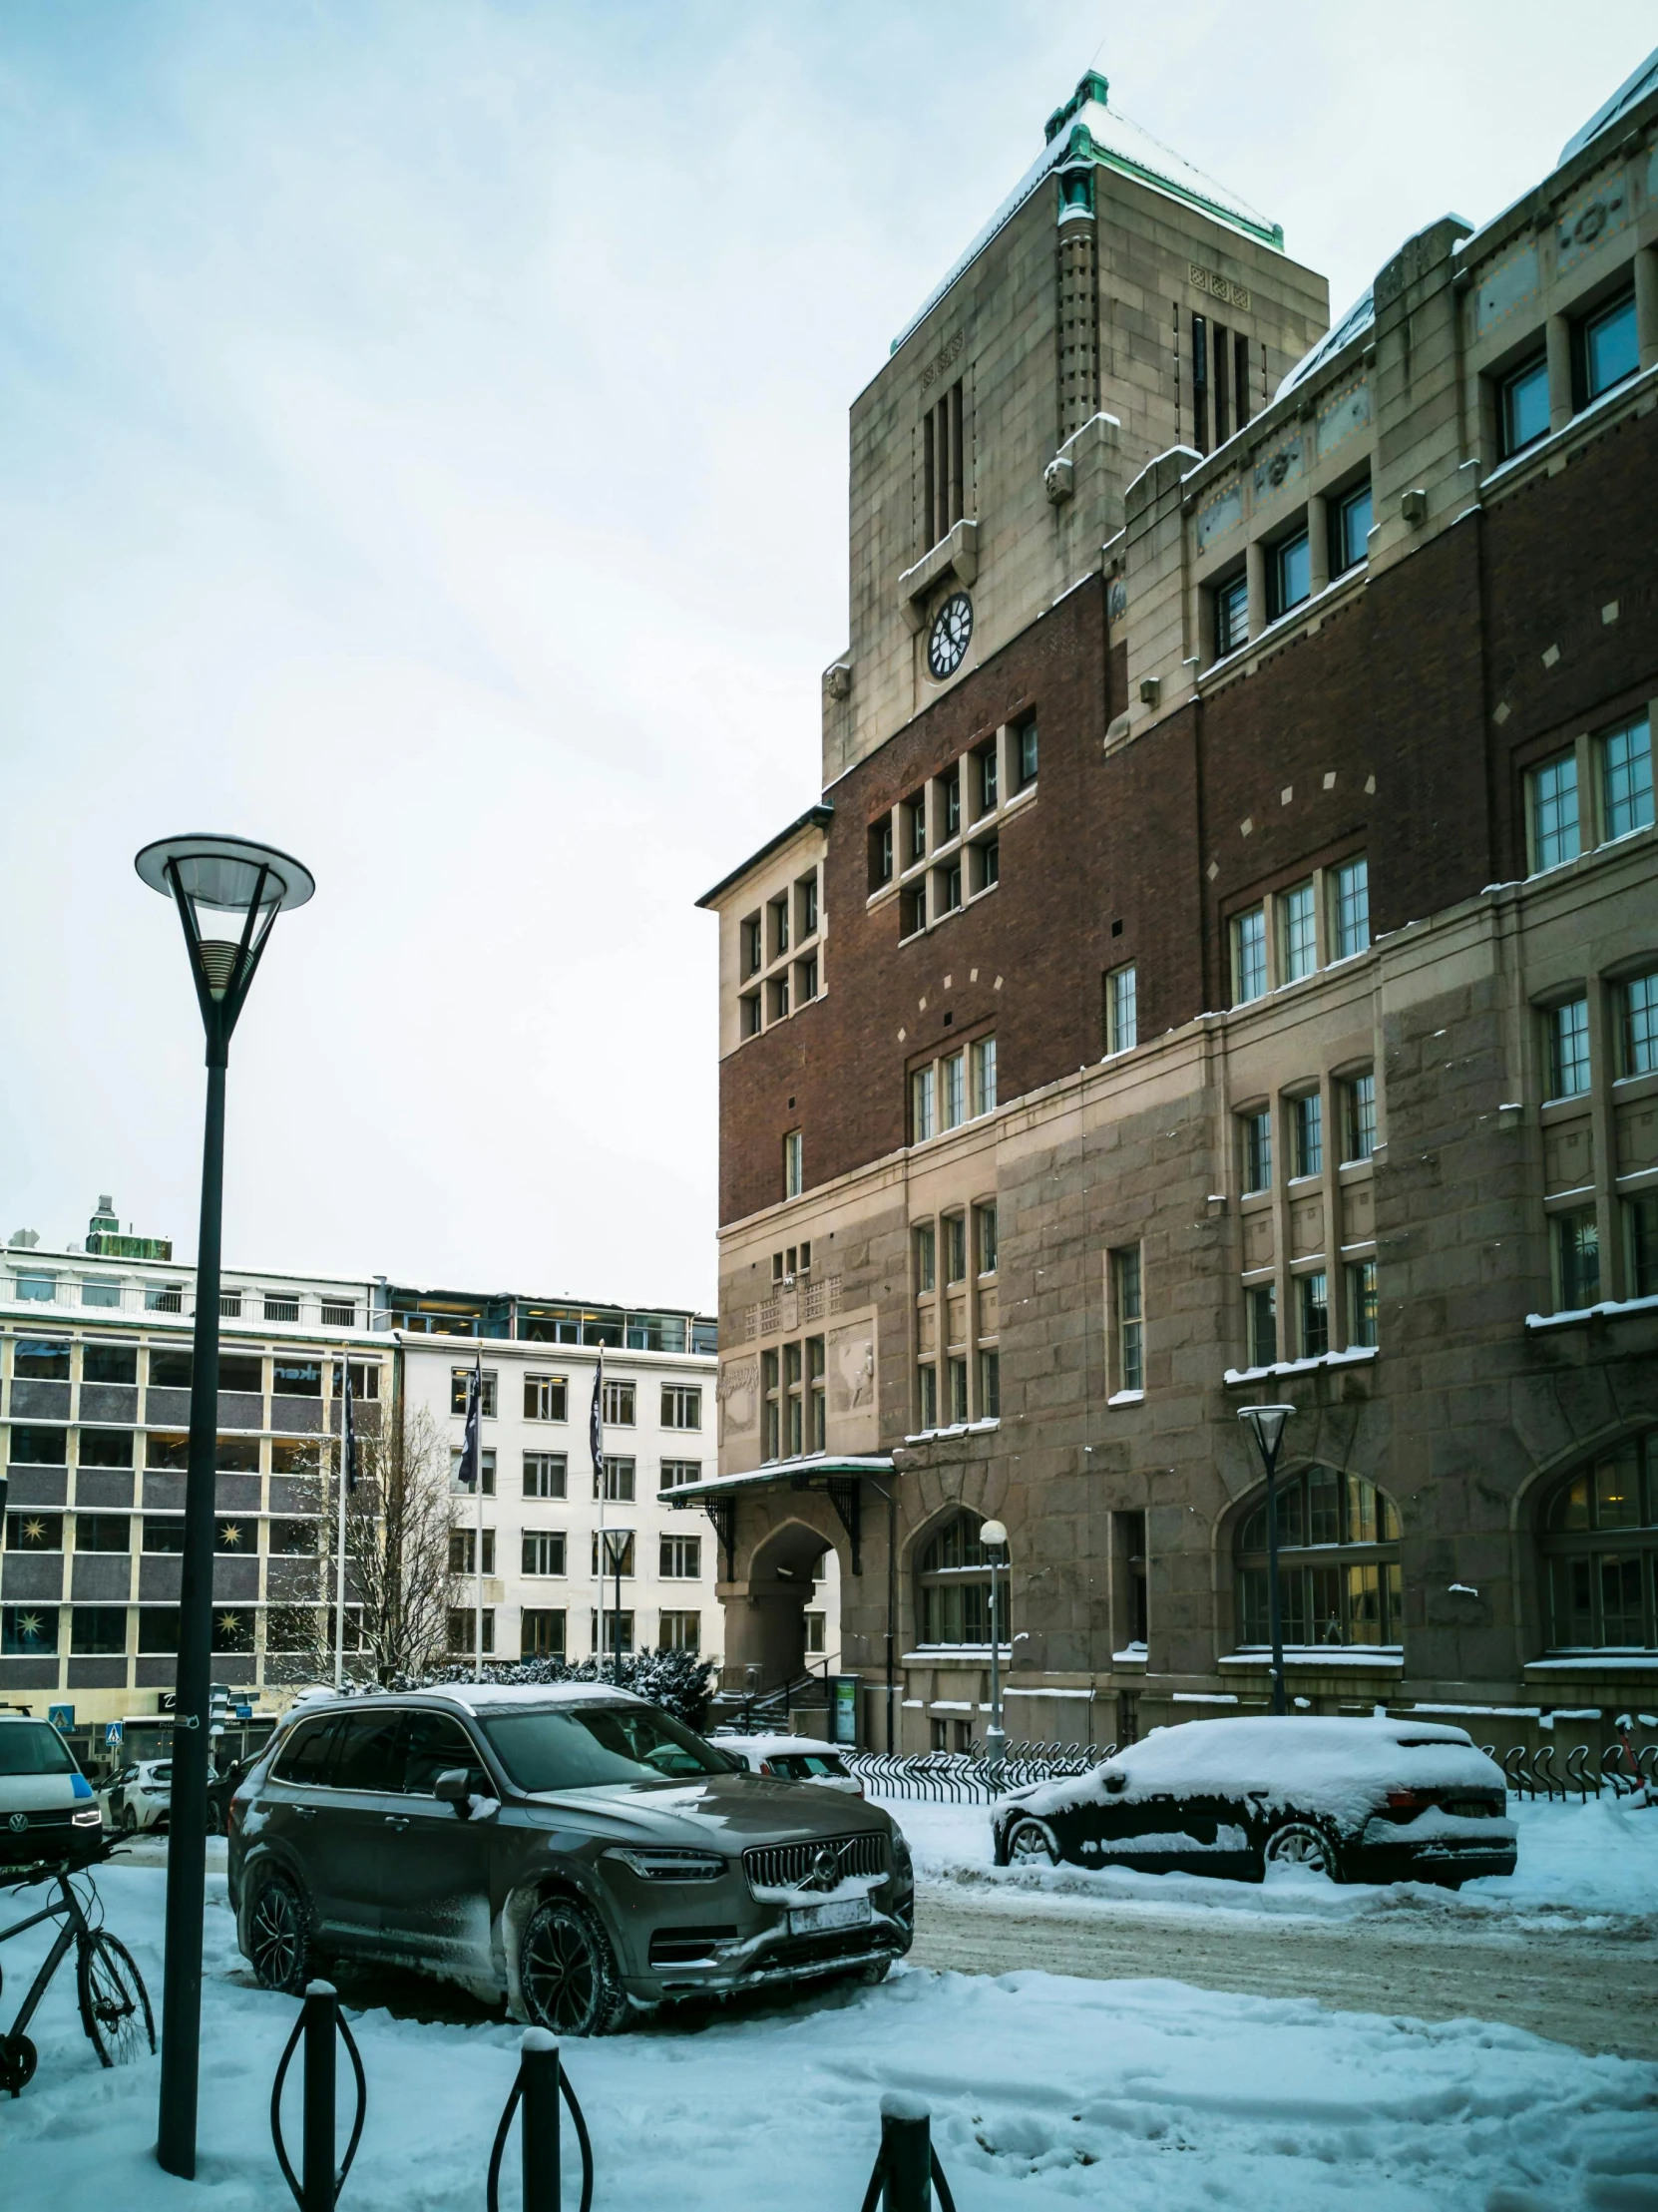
[[1232, 972]]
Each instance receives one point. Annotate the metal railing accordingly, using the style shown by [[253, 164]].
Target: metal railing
[[55, 1293], [970, 1777], [1532, 1774]]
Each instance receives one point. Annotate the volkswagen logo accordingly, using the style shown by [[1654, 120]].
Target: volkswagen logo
[[826, 1865], [20, 1821]]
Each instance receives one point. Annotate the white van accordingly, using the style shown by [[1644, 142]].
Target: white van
[[46, 1806]]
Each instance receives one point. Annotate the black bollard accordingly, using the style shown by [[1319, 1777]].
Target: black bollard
[[317, 2163], [538, 2072], [906, 2155]]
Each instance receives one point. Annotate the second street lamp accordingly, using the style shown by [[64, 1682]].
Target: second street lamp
[[1267, 1423], [994, 1537], [203, 876]]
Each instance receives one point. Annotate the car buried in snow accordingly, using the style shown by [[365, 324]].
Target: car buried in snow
[[570, 1849], [1382, 1800]]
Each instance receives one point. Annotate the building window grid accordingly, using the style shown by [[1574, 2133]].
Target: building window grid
[[1553, 813], [1569, 1049], [1307, 1114], [1126, 1286], [1638, 1025], [1352, 908], [1298, 932], [1626, 779], [1249, 956], [1359, 1130], [1121, 1009]]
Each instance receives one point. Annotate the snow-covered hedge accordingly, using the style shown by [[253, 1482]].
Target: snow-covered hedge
[[679, 1681]]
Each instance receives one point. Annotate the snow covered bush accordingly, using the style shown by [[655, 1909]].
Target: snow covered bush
[[679, 1681]]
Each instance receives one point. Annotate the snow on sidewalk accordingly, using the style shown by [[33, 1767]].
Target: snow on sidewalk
[[1141, 2096], [1594, 1866]]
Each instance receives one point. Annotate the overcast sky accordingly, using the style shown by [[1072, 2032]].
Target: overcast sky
[[423, 446]]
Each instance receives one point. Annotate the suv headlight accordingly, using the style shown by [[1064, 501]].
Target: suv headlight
[[664, 1864]]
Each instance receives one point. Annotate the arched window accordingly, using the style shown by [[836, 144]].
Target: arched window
[[955, 1584], [1600, 1552], [1338, 1564]]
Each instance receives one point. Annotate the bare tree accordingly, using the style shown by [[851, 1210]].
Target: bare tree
[[398, 1582]]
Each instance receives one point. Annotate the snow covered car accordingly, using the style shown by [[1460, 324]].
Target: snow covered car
[[1359, 1800], [792, 1759], [140, 1797], [47, 1809], [571, 1849]]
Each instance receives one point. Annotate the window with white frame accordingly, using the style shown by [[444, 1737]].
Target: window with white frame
[[1552, 813], [1298, 933], [459, 1378], [486, 1471], [1349, 908], [983, 1053], [1122, 1009], [463, 1552], [678, 1631], [926, 1245], [544, 1551], [675, 1474], [616, 1555], [546, 1475], [1625, 757], [617, 1405], [618, 1479], [541, 1633], [680, 1559], [794, 1168], [545, 1398], [924, 1092], [681, 1406], [1249, 955], [1129, 1311], [953, 1070]]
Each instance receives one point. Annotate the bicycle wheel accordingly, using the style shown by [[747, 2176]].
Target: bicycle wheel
[[115, 2005]]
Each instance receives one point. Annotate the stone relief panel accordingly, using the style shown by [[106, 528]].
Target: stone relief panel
[[1591, 219], [1280, 467], [1219, 514], [1341, 417], [850, 1360], [1507, 284], [738, 1395]]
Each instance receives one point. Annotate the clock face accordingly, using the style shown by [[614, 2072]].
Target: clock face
[[950, 635]]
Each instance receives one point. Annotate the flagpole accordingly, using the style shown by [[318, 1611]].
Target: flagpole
[[596, 1444], [478, 1533], [340, 1564]]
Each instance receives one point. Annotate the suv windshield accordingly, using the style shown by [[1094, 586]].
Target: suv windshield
[[36, 1748], [585, 1748]]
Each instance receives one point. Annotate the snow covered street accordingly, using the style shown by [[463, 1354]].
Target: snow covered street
[[1130, 2094]]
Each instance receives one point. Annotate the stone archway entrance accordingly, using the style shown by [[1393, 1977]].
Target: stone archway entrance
[[765, 1612]]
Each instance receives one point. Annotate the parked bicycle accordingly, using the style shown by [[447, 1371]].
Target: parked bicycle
[[114, 2004]]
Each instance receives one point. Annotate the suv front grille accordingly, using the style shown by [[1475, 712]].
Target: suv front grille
[[795, 1866]]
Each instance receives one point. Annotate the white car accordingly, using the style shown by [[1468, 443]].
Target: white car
[[47, 1809], [791, 1759], [140, 1797]]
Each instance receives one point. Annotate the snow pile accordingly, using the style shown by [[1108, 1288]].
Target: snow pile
[[1340, 1767], [1044, 2090], [1595, 1863]]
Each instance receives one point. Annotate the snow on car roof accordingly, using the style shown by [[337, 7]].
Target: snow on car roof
[[1326, 1760], [476, 1695], [730, 1739]]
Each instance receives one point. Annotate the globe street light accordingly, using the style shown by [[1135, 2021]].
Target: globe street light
[[994, 1537], [1267, 1422], [203, 876]]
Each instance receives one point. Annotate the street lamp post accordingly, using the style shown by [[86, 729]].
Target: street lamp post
[[994, 1537], [253, 883], [1267, 1422]]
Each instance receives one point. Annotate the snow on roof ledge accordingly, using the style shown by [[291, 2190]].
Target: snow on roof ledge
[[1635, 86]]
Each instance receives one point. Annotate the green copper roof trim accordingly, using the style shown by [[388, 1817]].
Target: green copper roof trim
[[1083, 146]]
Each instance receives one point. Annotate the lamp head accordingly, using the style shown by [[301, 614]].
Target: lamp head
[[993, 1536], [225, 875], [1268, 1425]]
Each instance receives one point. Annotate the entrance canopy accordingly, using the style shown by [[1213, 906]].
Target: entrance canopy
[[839, 1475]]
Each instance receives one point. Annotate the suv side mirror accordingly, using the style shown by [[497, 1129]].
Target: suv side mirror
[[1116, 1782], [454, 1787]]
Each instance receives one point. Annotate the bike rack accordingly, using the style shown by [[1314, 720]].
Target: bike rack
[[320, 2019], [537, 2086]]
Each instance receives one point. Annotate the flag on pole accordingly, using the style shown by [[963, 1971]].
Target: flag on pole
[[348, 1430], [595, 1429], [467, 1472]]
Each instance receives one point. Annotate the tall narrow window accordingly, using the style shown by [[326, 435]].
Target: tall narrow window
[[926, 1256], [1569, 1049], [1359, 1134], [1350, 915], [1522, 406], [1130, 1318], [1121, 1009], [794, 1172], [983, 1218], [1249, 956], [1314, 1294], [1288, 574], [1298, 946], [1626, 778], [950, 784], [1350, 527], [795, 1408], [954, 1070], [990, 1385], [1552, 812], [923, 1098], [984, 1076], [943, 455], [1362, 1303], [987, 779], [1231, 615], [817, 1409], [1200, 382], [880, 853], [1308, 1133], [1609, 353], [773, 1403], [1261, 1302], [1256, 1131], [1640, 1218], [954, 1247], [1576, 1259], [927, 1396], [956, 1377], [1638, 1025], [1240, 378], [1220, 365], [1025, 751]]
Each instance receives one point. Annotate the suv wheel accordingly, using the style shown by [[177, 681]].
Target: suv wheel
[[568, 1972], [1298, 1842], [280, 1936], [1030, 1843]]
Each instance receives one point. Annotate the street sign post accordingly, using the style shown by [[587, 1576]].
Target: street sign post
[[62, 1718]]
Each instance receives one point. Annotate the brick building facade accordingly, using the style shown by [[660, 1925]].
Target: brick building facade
[[1223, 961]]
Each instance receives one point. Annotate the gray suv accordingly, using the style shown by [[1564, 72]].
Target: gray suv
[[571, 1849]]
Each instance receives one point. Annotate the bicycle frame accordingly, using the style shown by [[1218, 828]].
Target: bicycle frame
[[67, 1908]]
